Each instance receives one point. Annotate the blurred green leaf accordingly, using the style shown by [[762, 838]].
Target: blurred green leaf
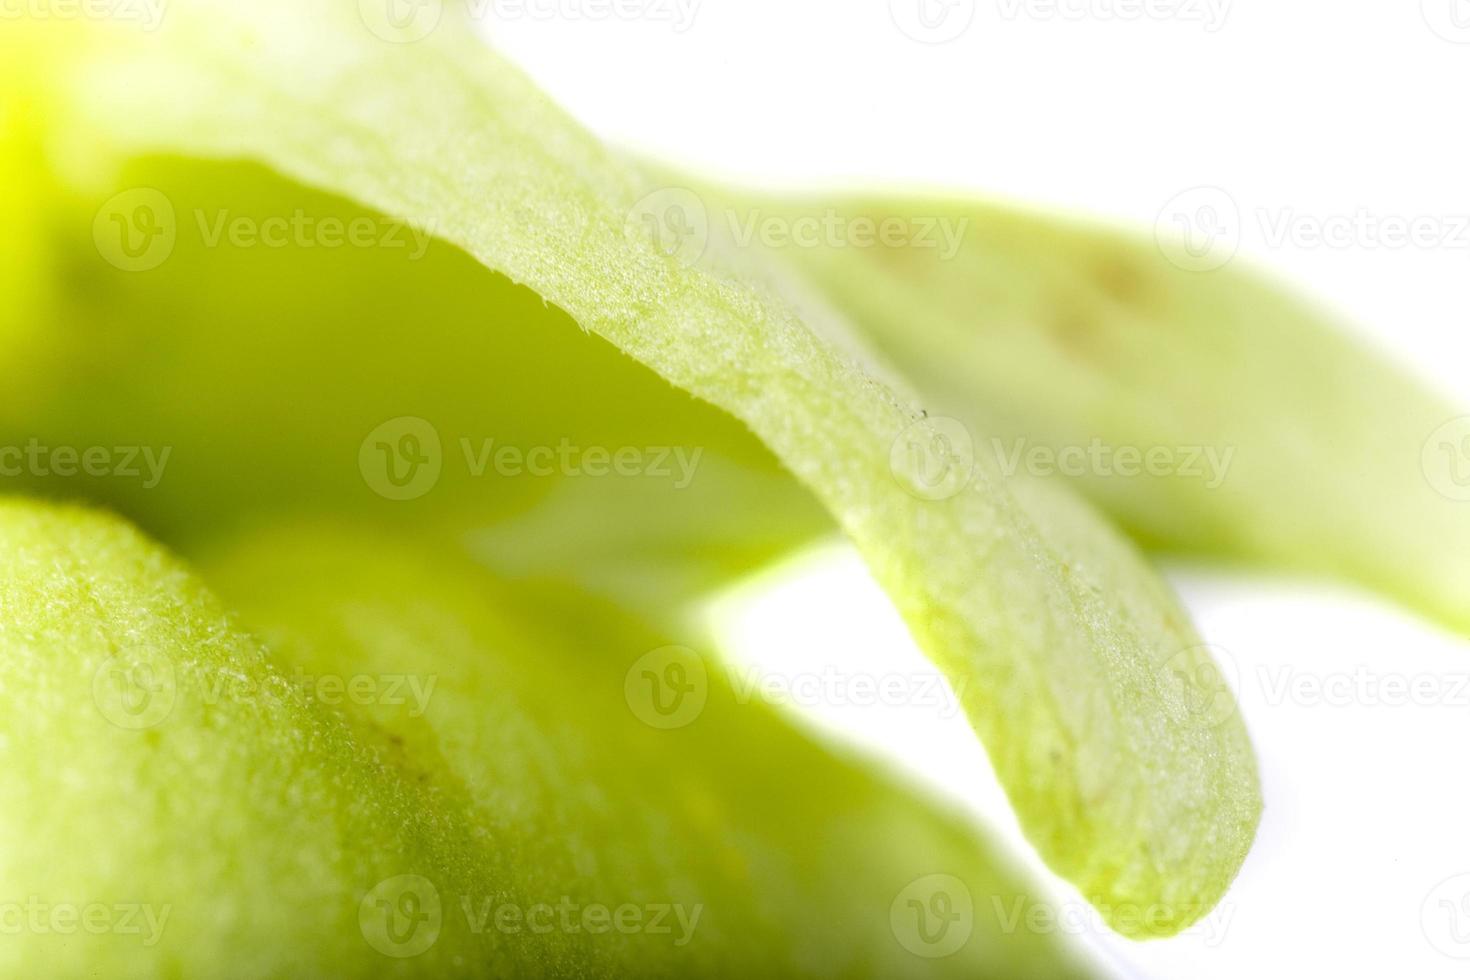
[[429, 773], [550, 713], [174, 806], [1285, 442], [1089, 676]]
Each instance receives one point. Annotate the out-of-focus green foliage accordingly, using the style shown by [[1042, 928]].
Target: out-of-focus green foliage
[[425, 773], [778, 857], [1286, 443], [289, 382], [174, 805]]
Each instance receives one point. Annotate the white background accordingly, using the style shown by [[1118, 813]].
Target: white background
[[1313, 113]]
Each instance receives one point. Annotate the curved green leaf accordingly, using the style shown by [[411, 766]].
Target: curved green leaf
[[775, 857], [429, 774], [173, 802], [1090, 673], [1282, 441]]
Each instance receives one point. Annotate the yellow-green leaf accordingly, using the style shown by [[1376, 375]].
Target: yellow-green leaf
[[1089, 673], [1253, 428]]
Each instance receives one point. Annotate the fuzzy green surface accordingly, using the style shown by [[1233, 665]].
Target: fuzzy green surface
[[780, 858], [265, 372], [181, 803], [1022, 594], [173, 806], [1056, 333]]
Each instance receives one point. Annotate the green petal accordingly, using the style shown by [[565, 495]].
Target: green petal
[[1089, 671], [1328, 459], [177, 798], [778, 857], [172, 802], [262, 383]]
